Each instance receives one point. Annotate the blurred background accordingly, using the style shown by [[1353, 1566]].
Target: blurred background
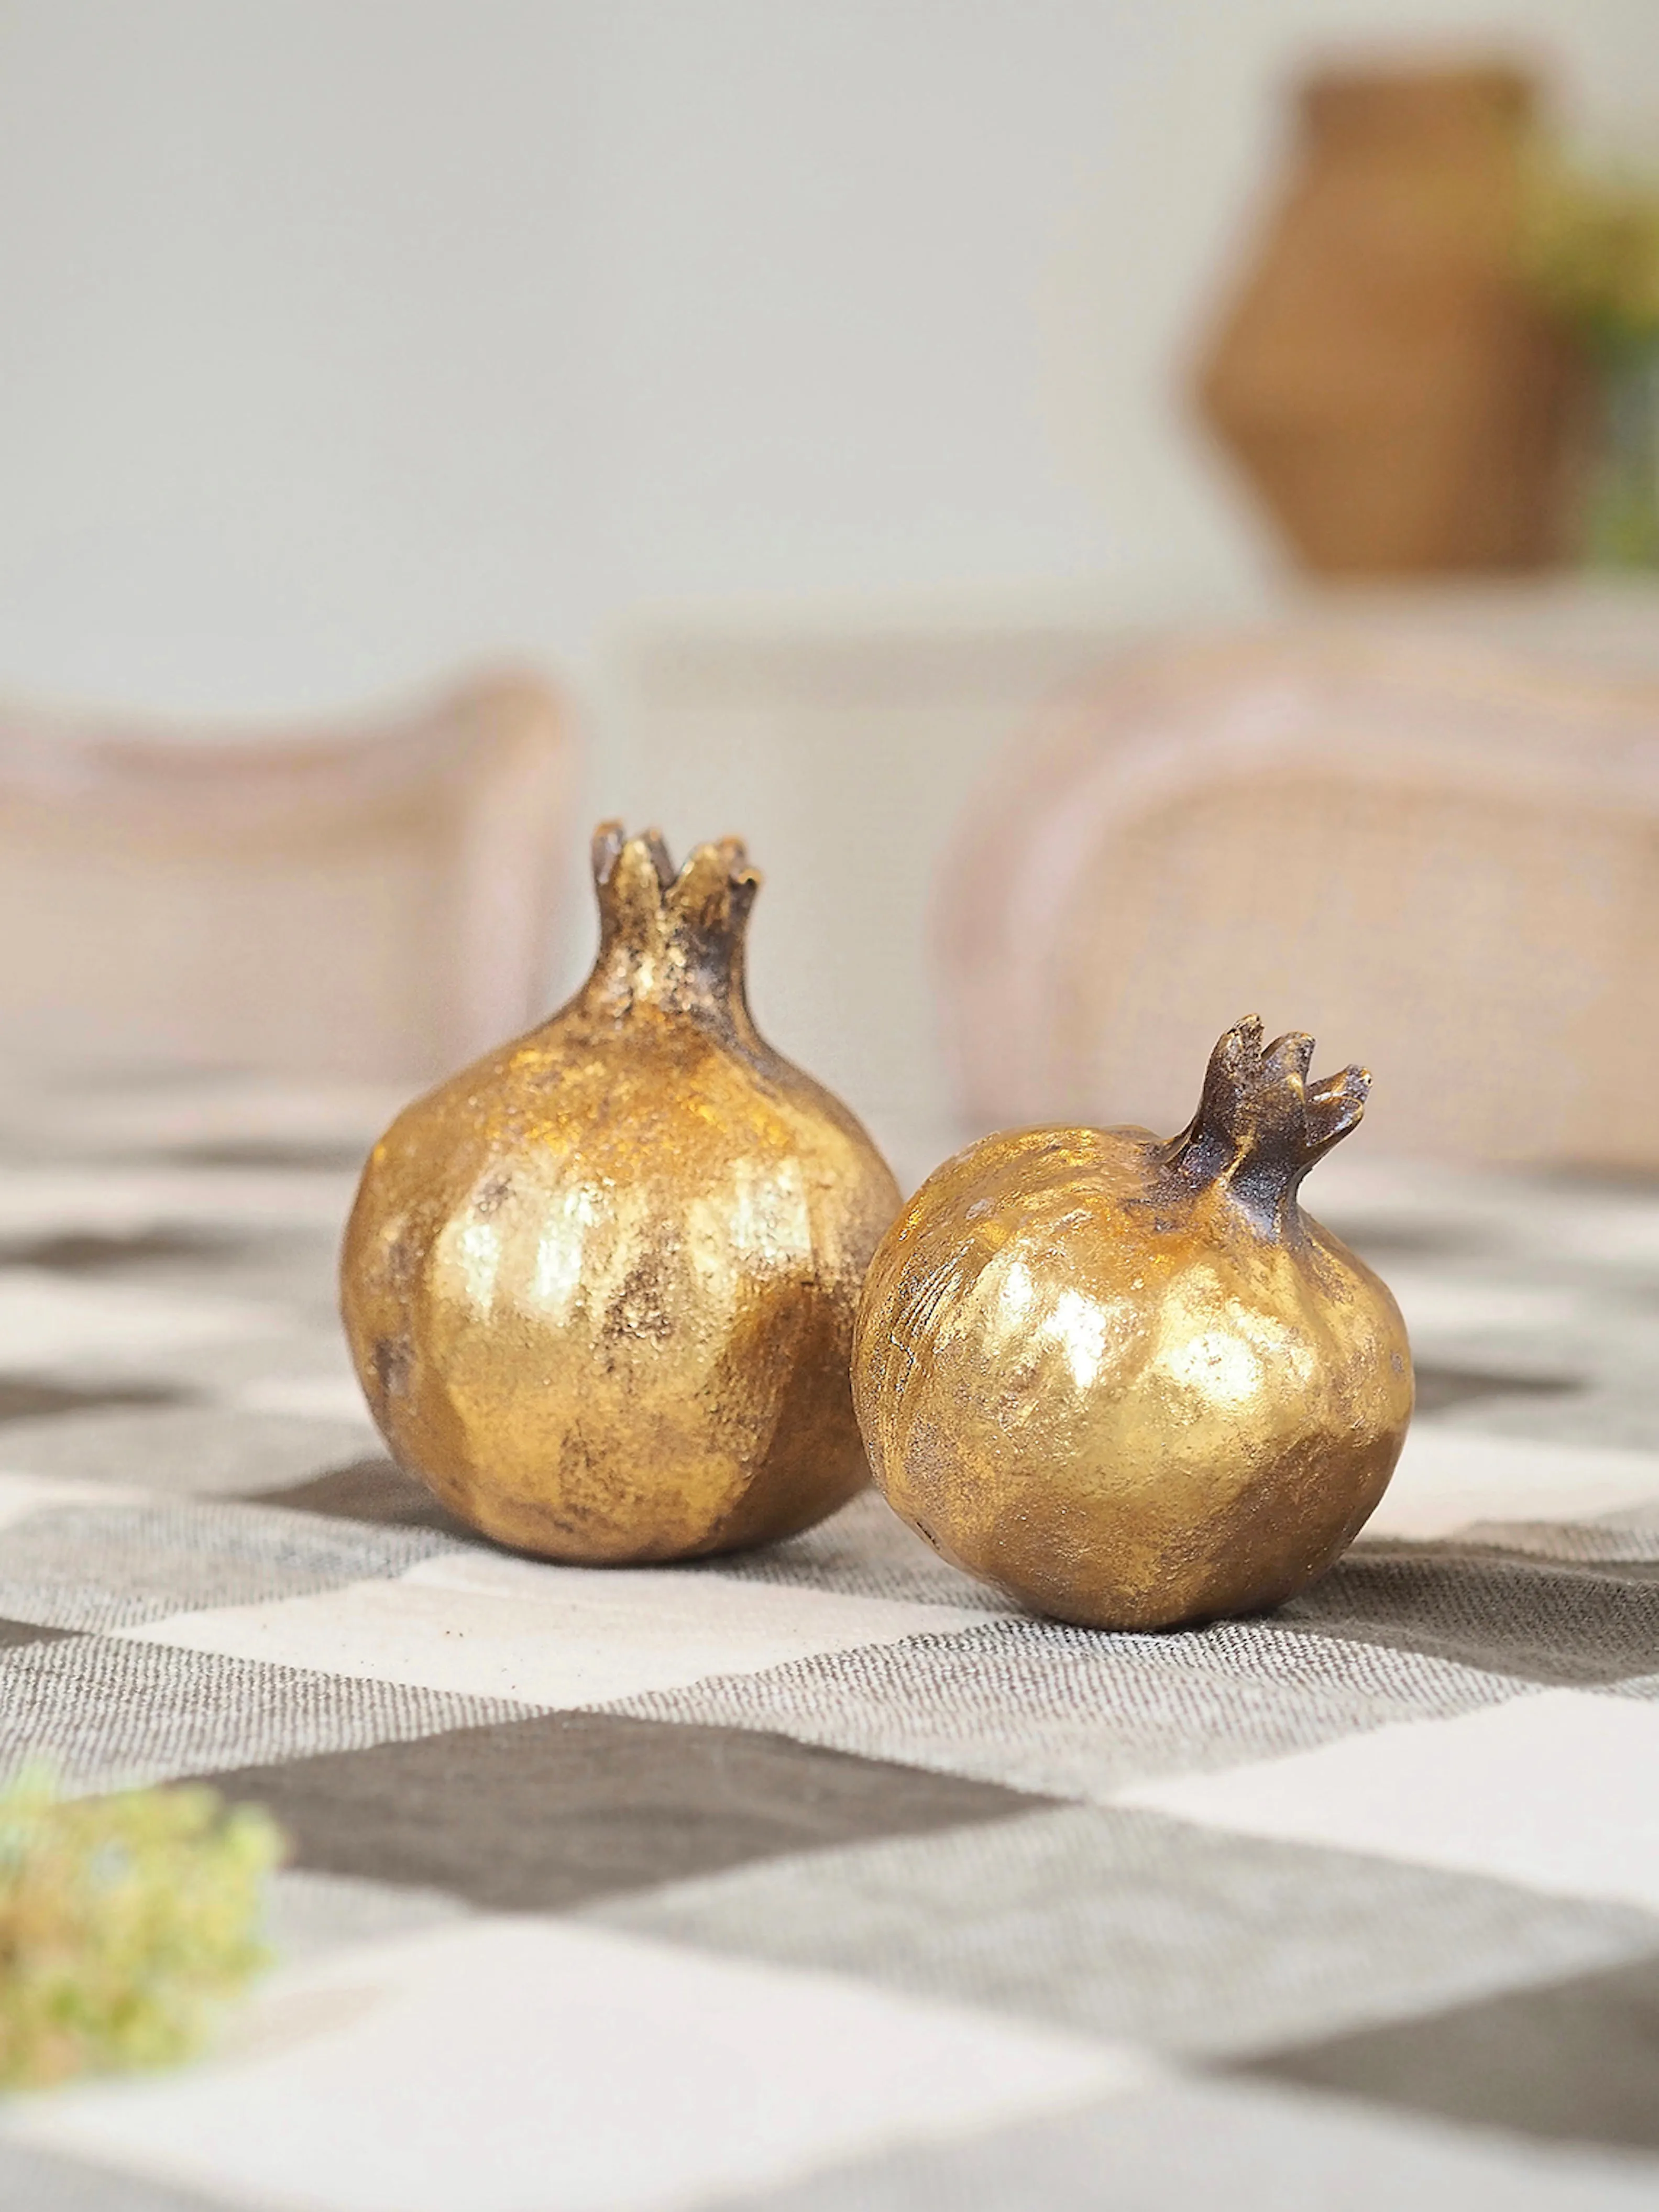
[[1135, 511]]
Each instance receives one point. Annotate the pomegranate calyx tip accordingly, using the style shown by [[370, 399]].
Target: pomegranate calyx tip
[[1260, 1125]]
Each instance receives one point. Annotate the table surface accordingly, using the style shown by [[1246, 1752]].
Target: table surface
[[820, 1880]]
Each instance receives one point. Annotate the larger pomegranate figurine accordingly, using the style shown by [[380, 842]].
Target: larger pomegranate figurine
[[1131, 1381], [599, 1288]]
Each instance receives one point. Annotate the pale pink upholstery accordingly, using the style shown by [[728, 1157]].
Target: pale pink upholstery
[[374, 900], [1441, 859]]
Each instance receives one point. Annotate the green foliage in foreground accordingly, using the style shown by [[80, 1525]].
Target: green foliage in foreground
[[126, 1922]]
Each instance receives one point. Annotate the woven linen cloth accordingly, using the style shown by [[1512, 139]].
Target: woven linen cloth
[[821, 1879]]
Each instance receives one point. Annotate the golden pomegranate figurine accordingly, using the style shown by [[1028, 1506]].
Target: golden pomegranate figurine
[[600, 1287], [1128, 1380]]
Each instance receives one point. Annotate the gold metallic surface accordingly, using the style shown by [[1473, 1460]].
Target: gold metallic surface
[[1129, 1380], [600, 1287]]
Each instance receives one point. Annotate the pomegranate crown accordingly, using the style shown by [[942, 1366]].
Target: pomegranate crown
[[676, 940], [1260, 1125]]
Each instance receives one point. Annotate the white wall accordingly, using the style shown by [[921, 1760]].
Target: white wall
[[343, 340]]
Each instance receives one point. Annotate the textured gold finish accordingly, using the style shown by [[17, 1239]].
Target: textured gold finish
[[600, 1287], [1130, 1381]]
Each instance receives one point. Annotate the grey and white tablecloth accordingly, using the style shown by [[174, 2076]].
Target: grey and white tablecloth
[[820, 1880]]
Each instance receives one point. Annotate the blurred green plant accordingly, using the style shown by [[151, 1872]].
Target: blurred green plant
[[126, 1922], [1590, 248], [1590, 253]]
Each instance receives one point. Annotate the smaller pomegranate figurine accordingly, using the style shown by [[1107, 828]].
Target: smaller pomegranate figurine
[[1129, 1380], [600, 1287]]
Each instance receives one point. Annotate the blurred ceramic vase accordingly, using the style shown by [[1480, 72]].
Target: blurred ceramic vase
[[1129, 1380], [600, 1287], [1397, 397]]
